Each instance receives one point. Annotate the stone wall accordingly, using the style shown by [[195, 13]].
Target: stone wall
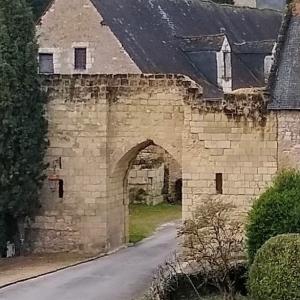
[[236, 139], [145, 185], [73, 23], [152, 158], [99, 123], [288, 139]]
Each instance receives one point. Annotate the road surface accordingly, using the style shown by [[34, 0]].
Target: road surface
[[124, 275]]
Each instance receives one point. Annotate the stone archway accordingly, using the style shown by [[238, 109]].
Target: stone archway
[[118, 204]]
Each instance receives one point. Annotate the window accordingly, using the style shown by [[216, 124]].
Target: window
[[80, 58], [46, 65], [227, 65], [219, 183], [60, 188]]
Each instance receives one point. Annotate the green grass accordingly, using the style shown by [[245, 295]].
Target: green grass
[[144, 219]]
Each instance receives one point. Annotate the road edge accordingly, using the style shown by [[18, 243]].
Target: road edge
[[62, 268]]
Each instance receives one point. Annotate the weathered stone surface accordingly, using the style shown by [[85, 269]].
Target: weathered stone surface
[[99, 124]]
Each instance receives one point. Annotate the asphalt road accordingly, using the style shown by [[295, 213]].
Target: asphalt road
[[124, 275]]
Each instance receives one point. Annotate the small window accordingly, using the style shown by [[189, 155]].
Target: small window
[[60, 188], [219, 183], [227, 65], [46, 65], [80, 58]]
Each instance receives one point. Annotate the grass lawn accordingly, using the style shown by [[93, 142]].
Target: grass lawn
[[144, 219]]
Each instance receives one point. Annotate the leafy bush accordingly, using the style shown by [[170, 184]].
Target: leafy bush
[[275, 273], [277, 211]]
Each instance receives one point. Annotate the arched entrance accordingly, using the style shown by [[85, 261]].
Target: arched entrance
[[118, 205]]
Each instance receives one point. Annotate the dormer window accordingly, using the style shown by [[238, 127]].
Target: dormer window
[[224, 66]]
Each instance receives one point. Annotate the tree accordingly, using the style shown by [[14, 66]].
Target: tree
[[23, 126]]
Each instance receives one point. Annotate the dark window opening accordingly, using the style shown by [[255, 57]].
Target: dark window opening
[[227, 65], [60, 188], [219, 183], [46, 65], [80, 58], [178, 190]]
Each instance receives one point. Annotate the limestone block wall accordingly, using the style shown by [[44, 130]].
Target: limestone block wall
[[288, 139], [146, 185], [77, 135], [235, 139], [98, 124], [150, 114], [153, 157]]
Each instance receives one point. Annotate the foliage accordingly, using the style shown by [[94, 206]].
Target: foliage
[[275, 273], [215, 242], [144, 219], [276, 211], [23, 126]]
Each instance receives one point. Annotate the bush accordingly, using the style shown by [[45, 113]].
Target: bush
[[275, 273], [214, 241], [277, 211]]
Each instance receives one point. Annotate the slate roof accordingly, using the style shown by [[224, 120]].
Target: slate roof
[[202, 43], [149, 31], [284, 85], [253, 47]]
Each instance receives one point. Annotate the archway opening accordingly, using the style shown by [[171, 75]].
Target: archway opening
[[144, 187], [155, 192]]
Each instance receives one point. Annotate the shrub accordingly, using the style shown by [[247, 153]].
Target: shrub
[[277, 211], [214, 240], [275, 273]]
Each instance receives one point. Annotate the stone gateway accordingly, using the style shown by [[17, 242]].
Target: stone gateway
[[98, 124]]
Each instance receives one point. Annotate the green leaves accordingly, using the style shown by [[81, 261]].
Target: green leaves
[[23, 127], [275, 273], [276, 211]]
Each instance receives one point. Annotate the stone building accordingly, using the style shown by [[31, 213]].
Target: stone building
[[228, 148], [221, 47]]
